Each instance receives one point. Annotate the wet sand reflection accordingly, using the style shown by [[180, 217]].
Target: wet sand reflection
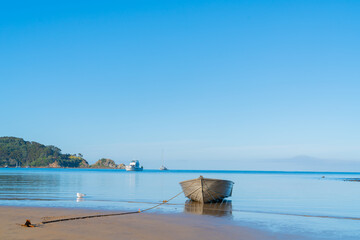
[[218, 209]]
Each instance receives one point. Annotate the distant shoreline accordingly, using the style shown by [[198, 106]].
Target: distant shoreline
[[197, 170]]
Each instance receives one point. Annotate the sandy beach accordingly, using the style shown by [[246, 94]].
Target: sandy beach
[[135, 226]]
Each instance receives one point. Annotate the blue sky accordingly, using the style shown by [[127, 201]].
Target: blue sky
[[210, 82]]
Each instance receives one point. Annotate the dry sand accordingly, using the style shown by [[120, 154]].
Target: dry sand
[[136, 226]]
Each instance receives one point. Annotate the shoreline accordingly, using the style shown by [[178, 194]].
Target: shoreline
[[198, 170], [133, 226]]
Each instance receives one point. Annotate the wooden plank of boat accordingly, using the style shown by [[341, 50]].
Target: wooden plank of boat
[[207, 189]]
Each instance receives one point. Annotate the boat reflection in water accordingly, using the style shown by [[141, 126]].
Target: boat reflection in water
[[218, 209]]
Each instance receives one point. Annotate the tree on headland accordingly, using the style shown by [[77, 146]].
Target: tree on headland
[[15, 151]]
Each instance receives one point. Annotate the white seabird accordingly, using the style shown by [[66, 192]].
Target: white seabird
[[80, 195]]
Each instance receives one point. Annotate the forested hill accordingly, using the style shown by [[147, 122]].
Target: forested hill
[[16, 151]]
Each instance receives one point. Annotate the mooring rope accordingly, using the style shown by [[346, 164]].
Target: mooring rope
[[28, 223], [164, 202], [116, 214], [90, 216], [111, 214]]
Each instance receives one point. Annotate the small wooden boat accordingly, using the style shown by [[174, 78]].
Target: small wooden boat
[[207, 189]]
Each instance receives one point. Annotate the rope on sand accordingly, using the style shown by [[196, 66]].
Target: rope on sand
[[108, 215], [101, 215], [28, 223], [90, 216]]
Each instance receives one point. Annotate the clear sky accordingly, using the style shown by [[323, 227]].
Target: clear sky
[[213, 83]]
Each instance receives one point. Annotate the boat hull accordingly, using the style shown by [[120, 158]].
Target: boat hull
[[207, 190], [131, 168], [163, 168]]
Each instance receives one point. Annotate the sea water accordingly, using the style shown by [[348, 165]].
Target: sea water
[[313, 204]]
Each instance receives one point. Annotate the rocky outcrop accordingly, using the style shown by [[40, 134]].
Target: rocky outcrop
[[84, 164], [107, 163], [80, 163], [121, 166], [54, 165]]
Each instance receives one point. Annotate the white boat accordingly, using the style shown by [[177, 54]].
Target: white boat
[[134, 166], [163, 168], [207, 190]]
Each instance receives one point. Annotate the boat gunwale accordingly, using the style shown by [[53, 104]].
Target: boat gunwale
[[207, 179]]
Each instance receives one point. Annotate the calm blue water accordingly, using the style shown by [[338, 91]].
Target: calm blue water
[[276, 201]]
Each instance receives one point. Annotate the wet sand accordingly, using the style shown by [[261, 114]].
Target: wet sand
[[135, 226]]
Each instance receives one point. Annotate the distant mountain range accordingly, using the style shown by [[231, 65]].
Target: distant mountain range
[[302, 163]]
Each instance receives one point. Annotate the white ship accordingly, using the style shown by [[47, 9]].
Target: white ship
[[163, 168], [134, 166]]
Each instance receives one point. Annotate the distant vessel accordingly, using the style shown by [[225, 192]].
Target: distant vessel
[[134, 166], [6, 166], [163, 168], [207, 190]]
